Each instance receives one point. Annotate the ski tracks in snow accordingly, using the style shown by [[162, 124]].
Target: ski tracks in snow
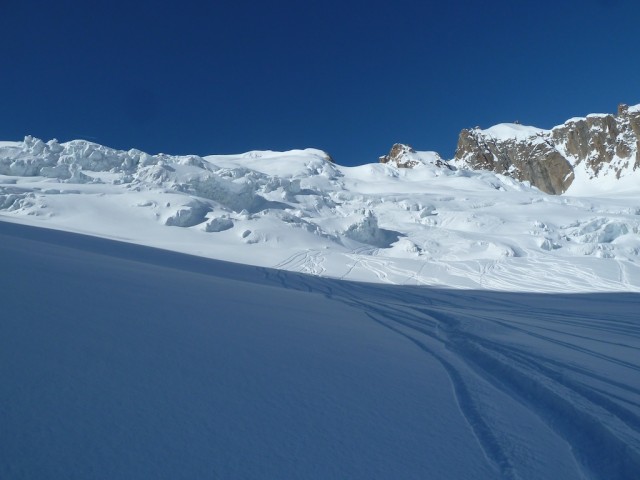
[[307, 261], [567, 372], [603, 433]]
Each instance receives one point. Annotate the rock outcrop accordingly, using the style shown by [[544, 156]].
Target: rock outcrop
[[604, 143], [530, 158], [596, 145], [404, 156]]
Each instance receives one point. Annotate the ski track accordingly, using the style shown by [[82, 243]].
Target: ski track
[[601, 425], [624, 275], [482, 431], [308, 261]]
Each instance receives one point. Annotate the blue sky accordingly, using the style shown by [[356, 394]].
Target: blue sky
[[349, 77]]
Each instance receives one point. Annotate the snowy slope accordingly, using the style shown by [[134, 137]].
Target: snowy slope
[[122, 361], [298, 211]]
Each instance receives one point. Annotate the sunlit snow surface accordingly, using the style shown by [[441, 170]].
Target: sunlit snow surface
[[299, 212]]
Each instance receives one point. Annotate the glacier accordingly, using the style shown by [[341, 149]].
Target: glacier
[[277, 315], [299, 211]]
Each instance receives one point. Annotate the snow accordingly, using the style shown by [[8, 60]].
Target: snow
[[574, 120], [428, 225], [428, 156], [377, 322], [632, 109], [582, 119], [124, 361], [512, 131], [608, 182]]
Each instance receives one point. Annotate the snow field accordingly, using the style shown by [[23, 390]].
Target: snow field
[[124, 361]]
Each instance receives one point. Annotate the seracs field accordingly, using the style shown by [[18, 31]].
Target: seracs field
[[434, 224], [276, 315]]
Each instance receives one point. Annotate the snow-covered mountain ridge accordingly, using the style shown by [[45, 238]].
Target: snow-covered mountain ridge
[[595, 151], [433, 224]]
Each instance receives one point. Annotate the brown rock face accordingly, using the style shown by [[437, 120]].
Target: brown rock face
[[533, 160], [631, 121], [591, 140], [600, 144], [398, 156]]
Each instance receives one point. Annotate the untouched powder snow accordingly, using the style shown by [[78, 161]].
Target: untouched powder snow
[[124, 361], [298, 211]]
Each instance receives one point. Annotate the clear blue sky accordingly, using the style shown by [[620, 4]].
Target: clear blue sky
[[349, 77]]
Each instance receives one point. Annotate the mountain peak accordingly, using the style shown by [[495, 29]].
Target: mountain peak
[[598, 146], [404, 156]]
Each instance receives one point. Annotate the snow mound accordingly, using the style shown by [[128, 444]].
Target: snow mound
[[218, 224], [368, 232], [194, 213], [512, 131]]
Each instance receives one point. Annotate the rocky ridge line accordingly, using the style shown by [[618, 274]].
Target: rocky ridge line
[[599, 145], [595, 146]]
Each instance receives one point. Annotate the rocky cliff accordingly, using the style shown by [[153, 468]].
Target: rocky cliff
[[404, 156], [596, 146]]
